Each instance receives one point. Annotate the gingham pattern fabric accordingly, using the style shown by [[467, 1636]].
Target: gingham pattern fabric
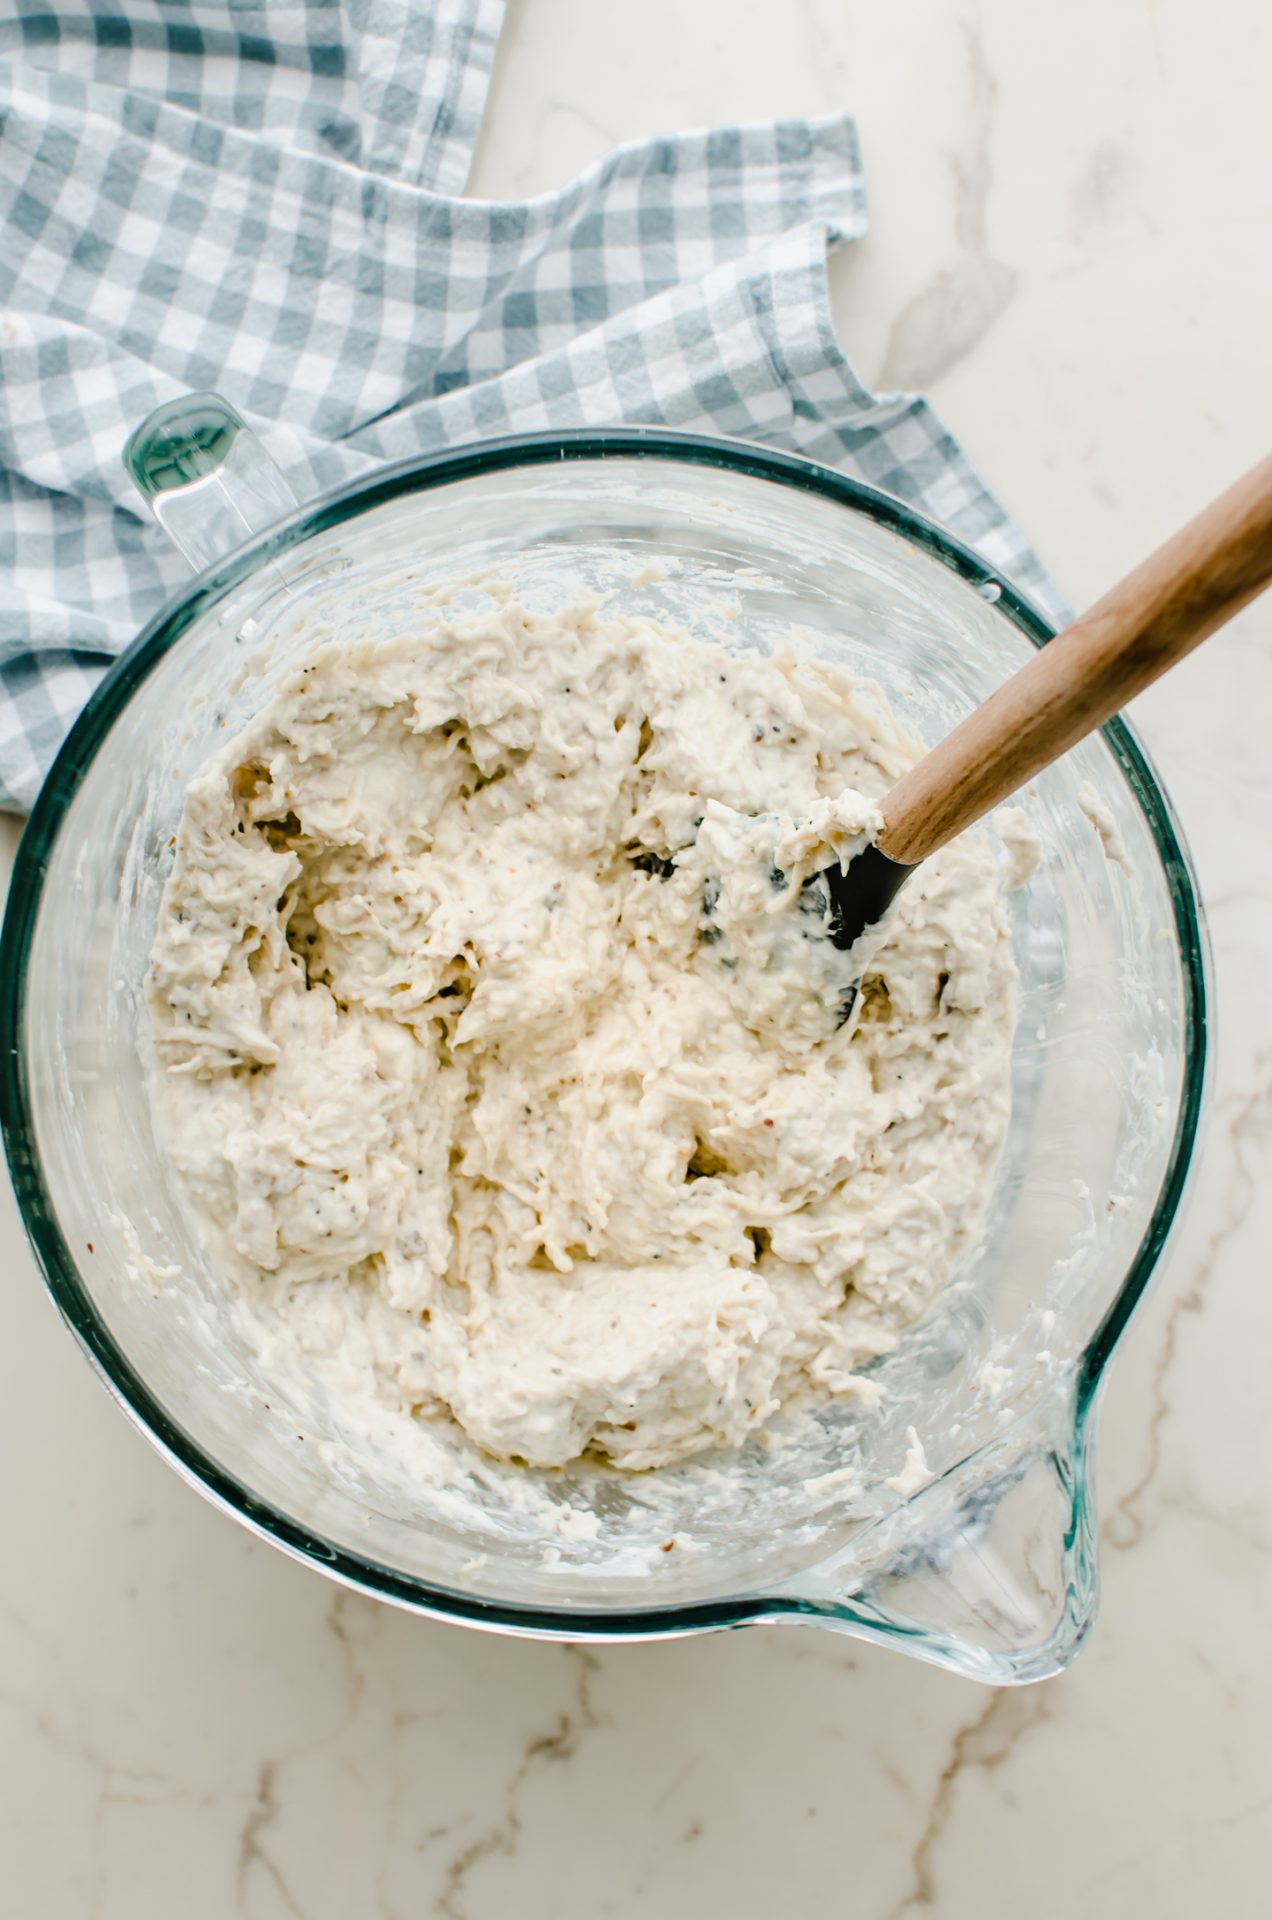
[[260, 199]]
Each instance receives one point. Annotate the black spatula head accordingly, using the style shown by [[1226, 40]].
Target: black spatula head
[[861, 896], [858, 899]]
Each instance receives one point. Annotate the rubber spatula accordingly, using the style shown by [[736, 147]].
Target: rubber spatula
[[1171, 602]]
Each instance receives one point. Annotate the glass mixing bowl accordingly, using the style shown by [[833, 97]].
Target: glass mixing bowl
[[977, 1553]]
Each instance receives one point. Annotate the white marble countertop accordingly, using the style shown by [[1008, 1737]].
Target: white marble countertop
[[1069, 252]]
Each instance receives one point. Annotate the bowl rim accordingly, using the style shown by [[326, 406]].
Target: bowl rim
[[419, 474]]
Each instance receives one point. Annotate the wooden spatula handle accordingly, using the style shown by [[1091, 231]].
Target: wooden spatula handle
[[1178, 596]]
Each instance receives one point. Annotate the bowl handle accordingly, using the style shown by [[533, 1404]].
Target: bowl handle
[[206, 477]]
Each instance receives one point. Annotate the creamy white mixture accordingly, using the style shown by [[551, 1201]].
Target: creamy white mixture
[[501, 1043]]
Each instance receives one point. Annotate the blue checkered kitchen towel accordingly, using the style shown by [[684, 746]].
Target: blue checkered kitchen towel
[[262, 199]]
